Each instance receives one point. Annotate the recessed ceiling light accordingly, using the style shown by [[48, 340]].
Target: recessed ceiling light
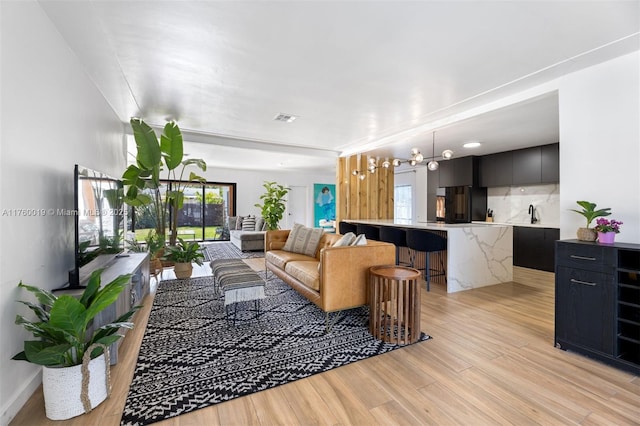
[[471, 145], [286, 118]]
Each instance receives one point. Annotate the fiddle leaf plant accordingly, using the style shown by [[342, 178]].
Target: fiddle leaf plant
[[62, 325], [589, 211], [273, 204]]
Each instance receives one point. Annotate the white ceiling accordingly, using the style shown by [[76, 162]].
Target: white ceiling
[[363, 76]]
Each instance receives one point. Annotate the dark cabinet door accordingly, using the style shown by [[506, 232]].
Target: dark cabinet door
[[548, 260], [527, 166], [496, 169], [585, 309], [550, 160], [457, 172], [535, 247]]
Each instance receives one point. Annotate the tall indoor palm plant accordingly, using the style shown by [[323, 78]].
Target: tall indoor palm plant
[[152, 157]]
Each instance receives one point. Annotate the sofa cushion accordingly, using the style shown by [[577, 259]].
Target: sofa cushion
[[280, 258], [260, 223], [303, 240], [247, 235], [305, 271], [345, 240]]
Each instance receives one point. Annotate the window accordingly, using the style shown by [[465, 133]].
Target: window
[[403, 202]]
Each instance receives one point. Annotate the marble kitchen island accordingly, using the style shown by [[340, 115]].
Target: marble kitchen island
[[478, 254]]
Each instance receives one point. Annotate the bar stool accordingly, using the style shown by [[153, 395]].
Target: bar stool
[[398, 237], [372, 232], [346, 227], [420, 240]]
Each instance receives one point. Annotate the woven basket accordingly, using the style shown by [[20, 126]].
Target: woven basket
[[63, 387], [586, 234], [183, 270]]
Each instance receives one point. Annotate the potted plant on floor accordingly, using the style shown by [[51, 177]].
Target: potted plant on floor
[[273, 204], [590, 213], [184, 254], [75, 358]]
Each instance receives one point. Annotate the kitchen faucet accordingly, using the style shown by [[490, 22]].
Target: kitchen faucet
[[532, 212]]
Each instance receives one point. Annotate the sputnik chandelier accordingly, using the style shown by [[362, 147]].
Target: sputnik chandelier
[[415, 159]]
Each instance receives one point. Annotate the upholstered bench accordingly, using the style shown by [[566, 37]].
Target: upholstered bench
[[238, 283]]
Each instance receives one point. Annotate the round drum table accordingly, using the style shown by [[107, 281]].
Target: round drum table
[[394, 304]]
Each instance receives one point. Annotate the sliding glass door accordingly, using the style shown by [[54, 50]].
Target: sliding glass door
[[202, 217]]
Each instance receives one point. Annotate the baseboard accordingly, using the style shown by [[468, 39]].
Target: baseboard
[[20, 397]]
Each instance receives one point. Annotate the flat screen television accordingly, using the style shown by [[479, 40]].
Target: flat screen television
[[99, 219]]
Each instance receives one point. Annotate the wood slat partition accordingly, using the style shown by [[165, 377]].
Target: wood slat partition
[[368, 198]]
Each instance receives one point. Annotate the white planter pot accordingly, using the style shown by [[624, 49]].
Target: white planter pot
[[62, 388]]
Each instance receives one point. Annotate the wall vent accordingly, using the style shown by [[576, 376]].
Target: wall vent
[[287, 118]]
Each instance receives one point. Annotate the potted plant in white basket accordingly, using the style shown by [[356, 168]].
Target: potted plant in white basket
[[184, 254], [75, 359]]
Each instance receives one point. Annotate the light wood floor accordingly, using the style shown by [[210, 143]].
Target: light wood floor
[[491, 361]]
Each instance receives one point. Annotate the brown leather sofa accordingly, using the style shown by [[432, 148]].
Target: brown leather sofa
[[336, 278]]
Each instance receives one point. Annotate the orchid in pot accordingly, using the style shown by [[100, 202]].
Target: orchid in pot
[[607, 230]]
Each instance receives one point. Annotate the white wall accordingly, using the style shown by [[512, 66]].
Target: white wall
[[52, 117], [249, 186], [600, 144]]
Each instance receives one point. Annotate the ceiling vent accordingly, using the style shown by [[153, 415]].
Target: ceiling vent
[[286, 118]]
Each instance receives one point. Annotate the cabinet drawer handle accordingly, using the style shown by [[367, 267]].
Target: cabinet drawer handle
[[582, 257], [583, 282]]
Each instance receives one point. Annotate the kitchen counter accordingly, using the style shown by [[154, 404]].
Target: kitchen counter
[[478, 254], [527, 225]]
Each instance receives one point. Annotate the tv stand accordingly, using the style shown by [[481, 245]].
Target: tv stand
[[136, 264]]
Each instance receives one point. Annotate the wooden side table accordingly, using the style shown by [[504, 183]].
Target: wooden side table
[[394, 304]]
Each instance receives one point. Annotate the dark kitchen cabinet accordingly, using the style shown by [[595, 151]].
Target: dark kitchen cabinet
[[550, 162], [458, 172], [597, 310], [496, 169], [535, 247], [527, 166]]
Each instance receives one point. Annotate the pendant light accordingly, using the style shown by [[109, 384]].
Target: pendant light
[[433, 164]]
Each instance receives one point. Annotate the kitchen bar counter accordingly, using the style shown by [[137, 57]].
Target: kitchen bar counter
[[524, 224], [478, 254]]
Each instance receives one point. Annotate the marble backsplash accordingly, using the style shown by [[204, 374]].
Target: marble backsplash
[[510, 204]]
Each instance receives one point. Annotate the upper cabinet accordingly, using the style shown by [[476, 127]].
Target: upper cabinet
[[529, 166], [458, 172], [496, 169], [550, 156]]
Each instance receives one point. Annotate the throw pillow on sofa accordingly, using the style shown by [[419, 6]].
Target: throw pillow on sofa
[[239, 223], [249, 223], [360, 240], [345, 240], [260, 223], [303, 240]]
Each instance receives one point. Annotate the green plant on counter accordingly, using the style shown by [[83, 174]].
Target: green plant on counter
[[589, 211], [62, 326]]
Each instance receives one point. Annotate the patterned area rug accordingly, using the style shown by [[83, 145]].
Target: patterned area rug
[[226, 250], [192, 357]]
